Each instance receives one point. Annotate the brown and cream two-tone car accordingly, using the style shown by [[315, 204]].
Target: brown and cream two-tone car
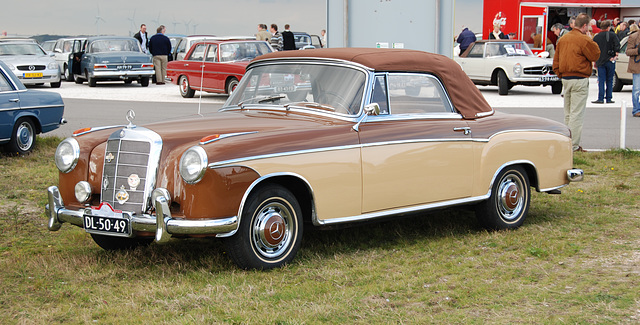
[[310, 138]]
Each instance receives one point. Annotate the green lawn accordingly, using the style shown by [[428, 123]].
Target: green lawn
[[575, 260]]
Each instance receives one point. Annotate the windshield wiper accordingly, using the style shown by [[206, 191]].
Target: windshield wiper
[[261, 99], [312, 105]]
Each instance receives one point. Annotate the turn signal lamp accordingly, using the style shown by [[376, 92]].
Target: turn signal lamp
[[81, 131], [209, 138]]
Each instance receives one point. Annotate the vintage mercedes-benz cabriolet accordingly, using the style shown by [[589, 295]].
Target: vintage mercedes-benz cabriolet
[[310, 138]]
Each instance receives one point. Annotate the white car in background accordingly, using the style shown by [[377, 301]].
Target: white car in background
[[30, 63], [61, 52], [622, 77], [506, 63]]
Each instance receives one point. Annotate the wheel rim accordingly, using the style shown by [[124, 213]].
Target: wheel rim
[[24, 136], [511, 197], [232, 86], [272, 228], [184, 85]]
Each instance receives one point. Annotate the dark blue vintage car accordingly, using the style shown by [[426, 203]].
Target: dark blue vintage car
[[25, 113], [112, 58]]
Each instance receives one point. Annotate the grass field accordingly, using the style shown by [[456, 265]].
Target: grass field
[[575, 260]]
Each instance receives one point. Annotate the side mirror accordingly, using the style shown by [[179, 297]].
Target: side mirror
[[372, 109]]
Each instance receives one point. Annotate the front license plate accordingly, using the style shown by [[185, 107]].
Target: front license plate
[[549, 78], [107, 225], [33, 75]]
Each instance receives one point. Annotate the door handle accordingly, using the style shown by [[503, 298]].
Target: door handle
[[466, 130], [15, 100]]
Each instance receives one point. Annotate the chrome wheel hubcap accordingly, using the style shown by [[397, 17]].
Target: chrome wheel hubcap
[[510, 197], [272, 229], [24, 136]]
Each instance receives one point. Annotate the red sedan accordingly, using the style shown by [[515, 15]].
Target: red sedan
[[214, 66]]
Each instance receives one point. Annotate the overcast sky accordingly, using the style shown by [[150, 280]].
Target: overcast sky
[[218, 17]]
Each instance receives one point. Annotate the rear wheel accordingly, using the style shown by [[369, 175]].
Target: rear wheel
[[231, 85], [185, 88], [508, 204], [556, 88], [144, 81], [77, 79], [270, 230], [111, 243], [503, 83], [23, 137], [91, 80]]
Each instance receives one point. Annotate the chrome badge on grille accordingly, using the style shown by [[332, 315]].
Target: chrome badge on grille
[[122, 196]]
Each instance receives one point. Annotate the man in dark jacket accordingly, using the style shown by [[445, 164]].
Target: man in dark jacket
[[143, 38], [609, 46], [465, 39], [288, 41], [160, 48]]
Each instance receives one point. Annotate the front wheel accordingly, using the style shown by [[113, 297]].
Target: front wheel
[[55, 84], [23, 137], [185, 88], [503, 83], [270, 230], [508, 204]]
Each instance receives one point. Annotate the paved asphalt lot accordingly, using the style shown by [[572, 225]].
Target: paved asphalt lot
[[107, 104]]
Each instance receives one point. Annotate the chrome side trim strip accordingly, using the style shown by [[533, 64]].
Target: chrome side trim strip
[[399, 211], [227, 135], [279, 154], [22, 108]]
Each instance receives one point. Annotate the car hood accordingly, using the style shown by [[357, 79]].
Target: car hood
[[525, 61], [26, 59], [243, 133], [121, 57]]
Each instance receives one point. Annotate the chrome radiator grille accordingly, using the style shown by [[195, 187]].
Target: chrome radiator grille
[[130, 166]]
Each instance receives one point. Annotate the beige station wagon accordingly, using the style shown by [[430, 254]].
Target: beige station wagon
[[313, 138]]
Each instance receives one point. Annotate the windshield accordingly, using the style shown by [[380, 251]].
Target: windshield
[[21, 49], [110, 45], [243, 51], [508, 49], [326, 87]]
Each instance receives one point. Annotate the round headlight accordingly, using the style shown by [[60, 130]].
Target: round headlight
[[193, 164], [83, 191], [53, 65], [517, 69], [67, 155]]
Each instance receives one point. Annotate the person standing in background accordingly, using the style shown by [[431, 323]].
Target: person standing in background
[[634, 66], [573, 63], [276, 38], [609, 46], [143, 38], [160, 48], [288, 41], [465, 39], [263, 34]]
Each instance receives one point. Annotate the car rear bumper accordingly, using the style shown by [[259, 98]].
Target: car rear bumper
[[162, 223], [122, 74]]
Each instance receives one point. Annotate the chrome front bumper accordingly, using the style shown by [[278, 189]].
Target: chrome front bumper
[[123, 73], [163, 224]]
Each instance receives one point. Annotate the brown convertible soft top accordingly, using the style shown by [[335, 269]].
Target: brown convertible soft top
[[465, 96]]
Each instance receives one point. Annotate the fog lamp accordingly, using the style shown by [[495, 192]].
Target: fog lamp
[[83, 191]]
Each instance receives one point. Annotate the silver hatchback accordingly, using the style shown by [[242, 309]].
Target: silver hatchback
[[30, 63]]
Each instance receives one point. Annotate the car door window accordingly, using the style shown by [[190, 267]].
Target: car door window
[[476, 51], [379, 94], [416, 94], [198, 53], [5, 85], [211, 54]]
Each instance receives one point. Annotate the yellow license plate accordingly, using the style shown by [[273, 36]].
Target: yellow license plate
[[33, 75]]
